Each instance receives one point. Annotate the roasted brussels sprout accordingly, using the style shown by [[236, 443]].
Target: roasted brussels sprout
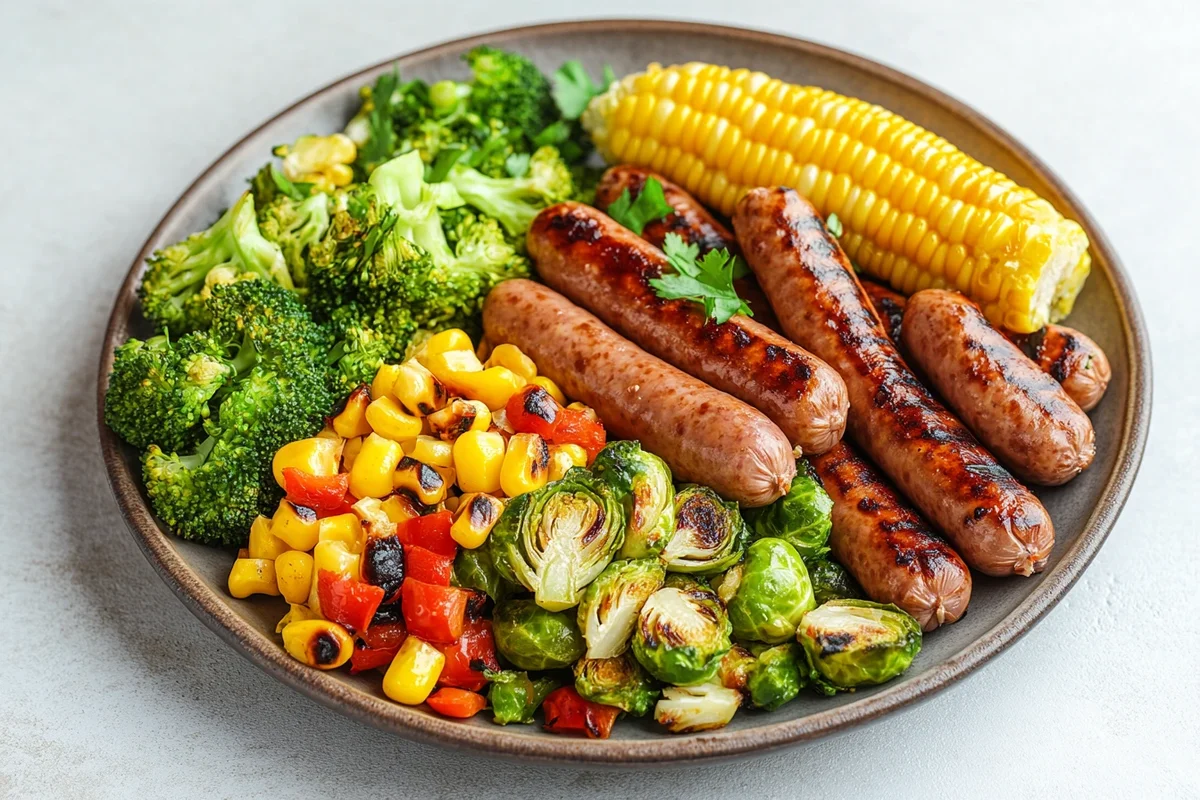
[[474, 569], [853, 643], [555, 540], [642, 484], [682, 634], [709, 533], [687, 709], [768, 593], [530, 637], [515, 697], [831, 581], [734, 672], [619, 682], [801, 517], [776, 676], [610, 606]]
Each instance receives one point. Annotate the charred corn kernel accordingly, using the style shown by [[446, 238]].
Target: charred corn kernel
[[335, 557], [445, 341], [371, 475], [421, 480], [384, 383], [565, 456], [431, 451], [297, 526], [474, 518], [413, 672], [458, 417], [391, 421], [373, 518], [588, 410], [916, 212], [321, 160], [293, 574], [451, 502], [417, 389], [253, 576], [551, 387], [350, 452], [478, 459], [526, 464], [449, 476], [342, 528], [400, 508], [493, 386], [297, 613], [509, 355], [351, 421], [318, 643], [263, 543], [315, 455]]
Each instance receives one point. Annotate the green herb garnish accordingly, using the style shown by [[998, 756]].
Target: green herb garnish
[[707, 280], [296, 191], [833, 225], [649, 206], [573, 88]]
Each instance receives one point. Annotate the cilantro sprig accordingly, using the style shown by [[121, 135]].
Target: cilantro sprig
[[573, 88], [707, 280], [650, 205]]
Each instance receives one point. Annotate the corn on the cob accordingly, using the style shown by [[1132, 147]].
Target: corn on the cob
[[917, 212]]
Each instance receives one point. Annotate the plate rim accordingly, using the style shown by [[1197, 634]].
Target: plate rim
[[334, 693]]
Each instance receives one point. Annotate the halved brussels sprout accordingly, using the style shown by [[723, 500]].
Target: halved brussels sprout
[[610, 606], [768, 593], [709, 533], [515, 697], [776, 677], [682, 634], [530, 637], [831, 581], [619, 682], [802, 517], [734, 672], [642, 484], [853, 643], [474, 569], [555, 540], [687, 709]]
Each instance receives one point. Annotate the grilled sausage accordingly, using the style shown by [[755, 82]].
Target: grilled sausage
[[994, 522], [605, 267], [888, 305], [886, 545], [703, 434], [1022, 414]]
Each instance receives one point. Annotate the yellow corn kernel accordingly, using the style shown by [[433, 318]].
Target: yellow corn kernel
[[253, 576], [509, 355], [493, 386], [551, 387], [315, 455], [421, 480], [264, 544], [384, 382], [390, 421], [297, 526], [373, 518], [321, 160], [327, 432], [478, 459], [431, 451], [588, 411], [417, 389], [297, 613], [526, 464], [351, 421], [449, 476], [350, 452], [458, 417], [318, 643], [400, 508], [413, 672], [474, 518], [446, 341], [565, 456], [293, 573], [342, 528], [371, 475], [451, 502]]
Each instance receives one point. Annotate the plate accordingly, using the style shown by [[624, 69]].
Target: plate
[[1001, 610]]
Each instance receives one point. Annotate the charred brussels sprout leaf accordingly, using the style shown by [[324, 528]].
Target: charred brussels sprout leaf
[[776, 677], [801, 517], [768, 593], [474, 569], [554, 541], [610, 606], [687, 709], [619, 682], [530, 637], [853, 643], [709, 536], [734, 672], [831, 581], [641, 482], [682, 634], [515, 697]]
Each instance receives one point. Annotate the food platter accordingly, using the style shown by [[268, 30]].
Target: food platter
[[1001, 611]]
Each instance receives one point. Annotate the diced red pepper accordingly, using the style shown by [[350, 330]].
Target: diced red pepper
[[427, 566], [431, 531], [367, 658], [346, 507], [567, 712], [318, 492], [456, 703], [385, 635], [346, 601], [574, 426], [532, 410], [433, 613], [466, 658]]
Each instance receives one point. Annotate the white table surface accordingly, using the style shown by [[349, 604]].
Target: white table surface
[[109, 687]]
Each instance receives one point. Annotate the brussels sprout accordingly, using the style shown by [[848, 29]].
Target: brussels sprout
[[801, 517], [709, 534], [610, 606], [776, 677], [831, 581], [515, 697], [682, 635], [619, 682], [768, 593], [530, 637], [687, 709], [554, 541], [475, 569], [642, 484], [734, 672], [853, 643]]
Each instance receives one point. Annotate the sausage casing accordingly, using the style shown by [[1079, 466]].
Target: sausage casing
[[1072, 359]]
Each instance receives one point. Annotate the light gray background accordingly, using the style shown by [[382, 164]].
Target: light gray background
[[110, 688]]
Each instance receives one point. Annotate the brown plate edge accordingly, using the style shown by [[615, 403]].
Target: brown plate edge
[[335, 694]]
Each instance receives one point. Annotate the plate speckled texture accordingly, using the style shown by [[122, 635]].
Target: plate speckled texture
[[1001, 610]]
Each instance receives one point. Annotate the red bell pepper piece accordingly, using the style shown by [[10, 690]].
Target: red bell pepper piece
[[574, 426], [431, 531], [466, 658], [385, 635], [456, 703], [318, 492], [346, 601], [366, 658], [532, 410], [433, 613], [567, 712], [427, 566]]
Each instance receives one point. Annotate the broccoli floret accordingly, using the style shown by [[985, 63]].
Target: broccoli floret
[[354, 360], [510, 88], [295, 226], [516, 201], [268, 318]]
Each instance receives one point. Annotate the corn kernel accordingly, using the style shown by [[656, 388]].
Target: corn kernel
[[264, 544], [493, 386], [417, 389], [384, 382], [451, 502], [458, 417], [453, 339], [565, 456], [293, 573], [474, 519], [413, 672], [526, 464], [335, 557], [509, 355], [315, 455], [478, 458], [351, 421], [297, 613], [391, 421], [327, 432], [551, 387], [253, 576], [318, 643], [342, 528], [374, 519], [431, 451], [350, 452], [297, 526], [400, 508], [483, 350], [371, 475], [420, 480]]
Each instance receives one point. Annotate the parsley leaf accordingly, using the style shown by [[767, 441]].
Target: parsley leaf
[[636, 214], [833, 225], [707, 280], [296, 191], [573, 88], [381, 140]]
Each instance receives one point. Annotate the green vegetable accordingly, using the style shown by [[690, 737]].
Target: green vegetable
[[610, 606], [688, 709], [530, 637], [573, 88], [619, 682], [642, 484], [372, 128], [709, 536], [555, 540], [708, 280], [767, 594], [509, 88], [649, 206], [802, 517], [295, 225], [514, 697], [682, 634], [776, 677], [852, 643], [734, 672], [474, 569], [833, 225], [831, 581], [514, 202]]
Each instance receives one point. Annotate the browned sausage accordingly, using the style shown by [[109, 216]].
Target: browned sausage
[[605, 267], [691, 221], [886, 545], [994, 522], [1019, 412], [703, 434], [888, 305]]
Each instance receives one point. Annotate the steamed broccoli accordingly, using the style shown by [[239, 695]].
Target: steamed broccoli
[[355, 358], [508, 87], [295, 225], [514, 202], [269, 319]]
